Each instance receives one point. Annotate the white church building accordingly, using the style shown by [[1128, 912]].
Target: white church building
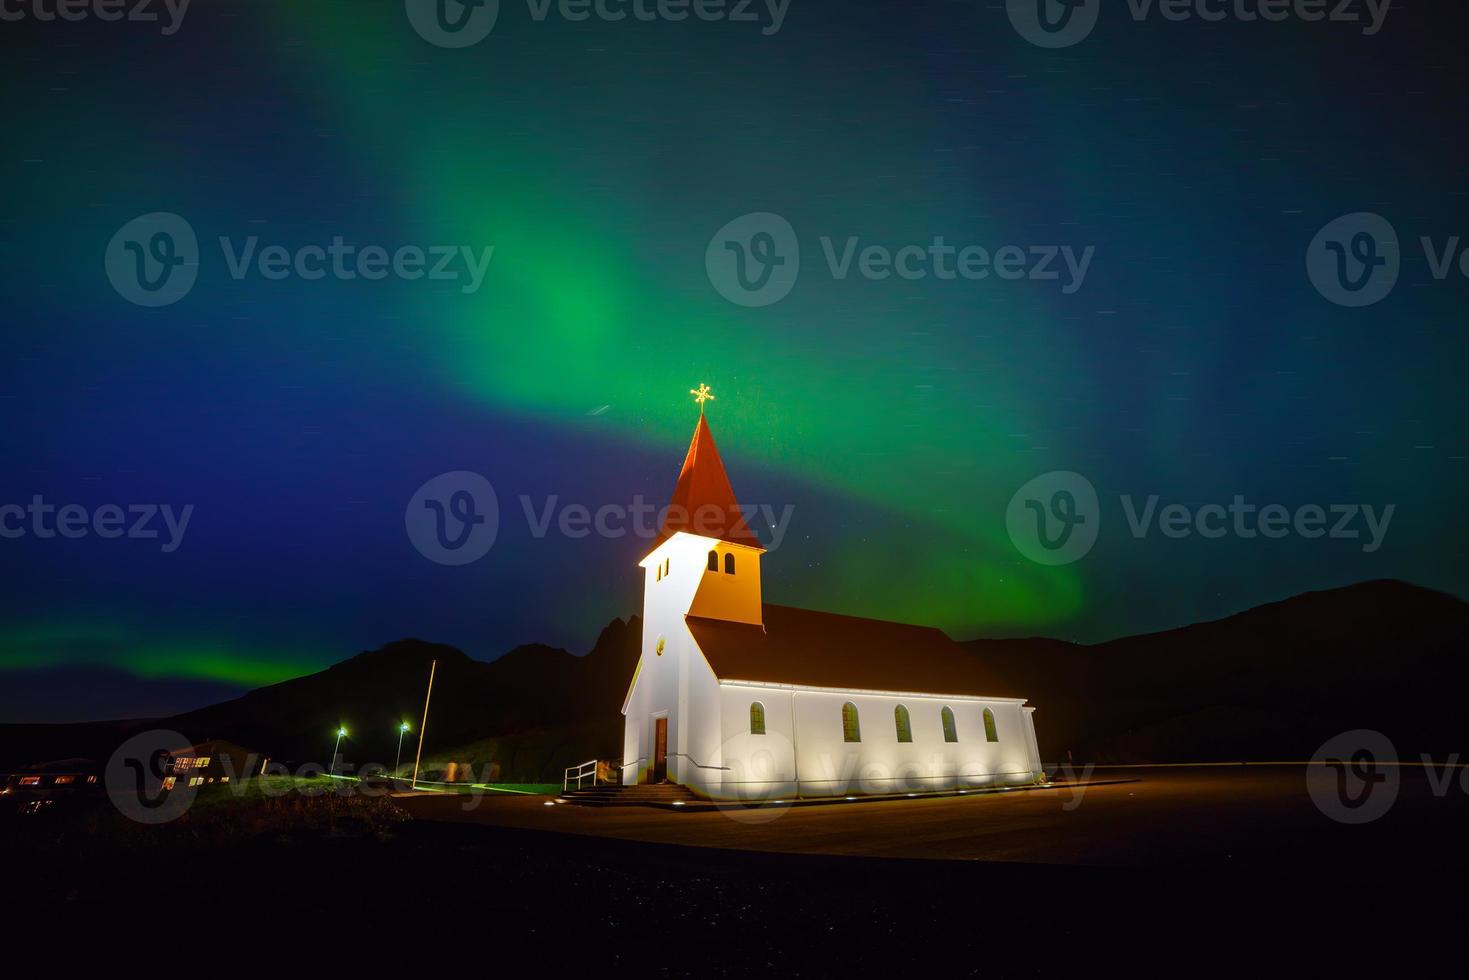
[[736, 699]]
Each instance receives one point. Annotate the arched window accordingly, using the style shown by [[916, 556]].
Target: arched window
[[990, 734], [851, 730], [905, 726], [729, 563], [951, 734], [757, 718], [713, 561]]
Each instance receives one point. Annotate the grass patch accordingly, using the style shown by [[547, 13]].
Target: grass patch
[[520, 789]]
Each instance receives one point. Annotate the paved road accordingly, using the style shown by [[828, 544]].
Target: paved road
[[1240, 820]]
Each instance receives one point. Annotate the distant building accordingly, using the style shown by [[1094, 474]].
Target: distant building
[[49, 778], [212, 762], [38, 786]]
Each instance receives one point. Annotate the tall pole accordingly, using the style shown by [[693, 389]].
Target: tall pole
[[423, 726], [398, 762], [332, 769]]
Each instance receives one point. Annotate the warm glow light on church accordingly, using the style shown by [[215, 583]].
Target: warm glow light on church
[[737, 699]]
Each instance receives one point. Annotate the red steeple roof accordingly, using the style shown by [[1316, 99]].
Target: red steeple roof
[[703, 501]]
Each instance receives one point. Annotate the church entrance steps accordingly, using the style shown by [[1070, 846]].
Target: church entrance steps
[[642, 794]]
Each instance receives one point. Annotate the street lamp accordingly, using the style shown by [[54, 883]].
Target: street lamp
[[402, 729], [341, 733]]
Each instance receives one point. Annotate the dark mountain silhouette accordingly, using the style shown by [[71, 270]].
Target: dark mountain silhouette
[[566, 708], [1273, 682]]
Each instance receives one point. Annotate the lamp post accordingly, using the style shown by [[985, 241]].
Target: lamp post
[[402, 729], [341, 733], [423, 725]]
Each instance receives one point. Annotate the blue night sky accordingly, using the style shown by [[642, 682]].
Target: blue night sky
[[297, 417]]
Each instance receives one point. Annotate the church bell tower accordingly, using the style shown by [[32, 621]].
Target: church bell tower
[[706, 559]]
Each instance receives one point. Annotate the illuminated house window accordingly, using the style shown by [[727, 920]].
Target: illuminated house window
[[757, 718], [659, 574], [30, 780], [183, 764], [203, 762], [729, 564], [851, 730], [990, 735], [713, 561], [951, 734], [168, 782], [905, 725], [224, 779], [666, 563], [65, 780]]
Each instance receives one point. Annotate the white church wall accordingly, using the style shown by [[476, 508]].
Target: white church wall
[[761, 768], [806, 725], [677, 682]]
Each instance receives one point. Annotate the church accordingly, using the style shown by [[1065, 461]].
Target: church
[[737, 699]]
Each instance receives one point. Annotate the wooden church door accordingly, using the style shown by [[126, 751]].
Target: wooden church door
[[660, 750]]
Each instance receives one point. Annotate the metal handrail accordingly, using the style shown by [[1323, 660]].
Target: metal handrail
[[697, 763], [589, 768], [579, 772]]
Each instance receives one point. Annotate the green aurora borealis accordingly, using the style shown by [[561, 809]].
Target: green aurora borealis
[[598, 159]]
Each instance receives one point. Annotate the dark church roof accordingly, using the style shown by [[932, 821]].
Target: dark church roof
[[818, 649]]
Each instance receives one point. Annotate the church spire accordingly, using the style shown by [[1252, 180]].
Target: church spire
[[703, 500]]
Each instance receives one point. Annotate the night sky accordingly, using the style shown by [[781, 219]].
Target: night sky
[[897, 417]]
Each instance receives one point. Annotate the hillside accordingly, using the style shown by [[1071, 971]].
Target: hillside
[[548, 707], [1268, 683]]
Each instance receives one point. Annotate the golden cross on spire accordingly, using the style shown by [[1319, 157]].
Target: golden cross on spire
[[701, 395]]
